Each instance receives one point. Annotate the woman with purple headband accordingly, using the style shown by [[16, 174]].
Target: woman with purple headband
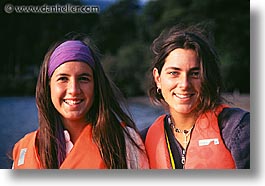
[[82, 124]]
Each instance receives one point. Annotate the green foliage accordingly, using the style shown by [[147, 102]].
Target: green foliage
[[123, 32], [128, 68], [117, 26]]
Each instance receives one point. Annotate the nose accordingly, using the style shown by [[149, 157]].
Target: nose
[[74, 87], [184, 81]]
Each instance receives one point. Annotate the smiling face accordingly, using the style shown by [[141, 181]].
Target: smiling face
[[72, 90], [179, 80]]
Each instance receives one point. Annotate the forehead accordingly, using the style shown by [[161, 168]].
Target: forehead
[[182, 58], [72, 67]]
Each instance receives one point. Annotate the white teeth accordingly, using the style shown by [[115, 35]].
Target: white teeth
[[72, 102], [183, 96]]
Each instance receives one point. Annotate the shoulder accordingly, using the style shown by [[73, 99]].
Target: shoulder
[[131, 131], [135, 152], [134, 135], [24, 152], [235, 129], [236, 114], [27, 140], [156, 123], [233, 118]]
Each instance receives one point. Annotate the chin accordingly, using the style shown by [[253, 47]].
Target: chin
[[184, 110]]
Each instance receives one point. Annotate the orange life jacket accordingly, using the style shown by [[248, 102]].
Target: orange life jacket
[[206, 149], [84, 154]]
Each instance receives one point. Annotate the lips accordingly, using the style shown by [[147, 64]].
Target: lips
[[184, 96], [73, 101]]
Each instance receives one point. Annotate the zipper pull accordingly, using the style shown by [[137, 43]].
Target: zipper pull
[[183, 158]]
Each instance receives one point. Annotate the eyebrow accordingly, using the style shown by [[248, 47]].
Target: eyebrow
[[82, 74], [179, 69], [86, 74]]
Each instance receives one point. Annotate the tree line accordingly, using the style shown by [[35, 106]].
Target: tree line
[[123, 33]]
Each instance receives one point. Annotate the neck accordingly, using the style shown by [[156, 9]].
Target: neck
[[182, 125], [74, 128], [183, 121]]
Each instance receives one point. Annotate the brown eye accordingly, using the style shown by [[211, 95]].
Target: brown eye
[[62, 78], [195, 74], [84, 79], [174, 73]]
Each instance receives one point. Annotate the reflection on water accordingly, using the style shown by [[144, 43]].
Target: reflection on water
[[19, 116]]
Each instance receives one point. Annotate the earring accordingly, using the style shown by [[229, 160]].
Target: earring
[[158, 90]]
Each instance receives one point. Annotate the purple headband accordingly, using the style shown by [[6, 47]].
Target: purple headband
[[73, 50]]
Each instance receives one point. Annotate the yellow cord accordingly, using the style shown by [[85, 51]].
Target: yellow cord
[[170, 153]]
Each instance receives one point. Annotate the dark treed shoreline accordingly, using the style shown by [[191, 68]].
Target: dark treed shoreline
[[123, 32]]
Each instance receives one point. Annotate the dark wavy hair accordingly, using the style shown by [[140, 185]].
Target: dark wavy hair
[[106, 115], [196, 38]]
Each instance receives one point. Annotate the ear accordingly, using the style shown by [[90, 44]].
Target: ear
[[156, 76]]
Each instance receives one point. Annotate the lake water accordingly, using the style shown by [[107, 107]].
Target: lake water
[[19, 116]]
